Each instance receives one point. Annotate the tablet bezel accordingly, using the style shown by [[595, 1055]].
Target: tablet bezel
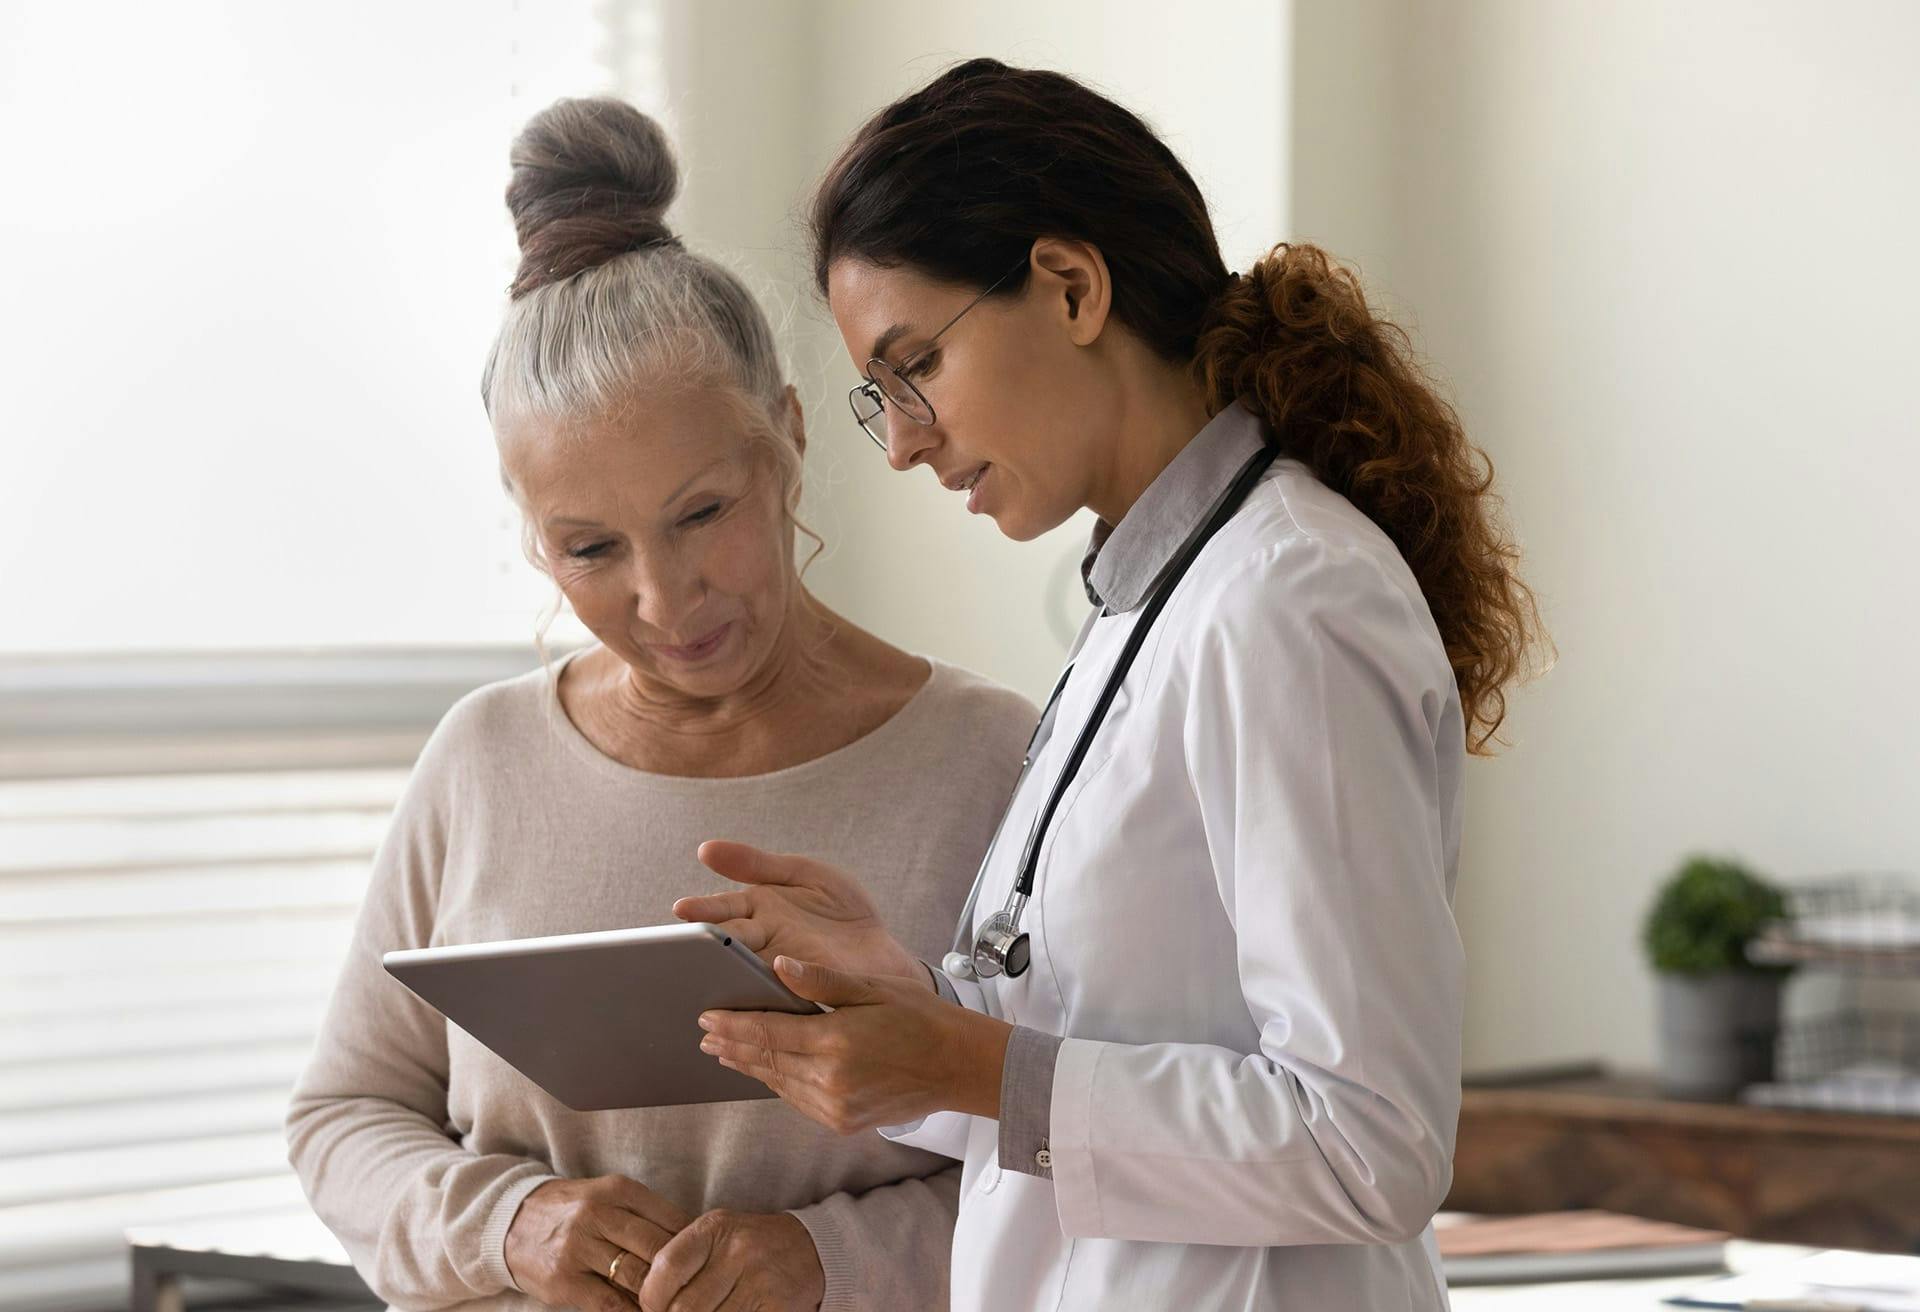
[[514, 996]]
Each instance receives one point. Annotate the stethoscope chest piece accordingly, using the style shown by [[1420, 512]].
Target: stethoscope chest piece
[[1001, 948]]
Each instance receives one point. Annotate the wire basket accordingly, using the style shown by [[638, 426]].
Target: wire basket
[[1858, 1060], [1865, 923]]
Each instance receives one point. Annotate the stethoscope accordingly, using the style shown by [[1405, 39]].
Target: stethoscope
[[1001, 946]]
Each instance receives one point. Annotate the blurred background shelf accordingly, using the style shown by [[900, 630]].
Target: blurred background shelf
[[1585, 1136]]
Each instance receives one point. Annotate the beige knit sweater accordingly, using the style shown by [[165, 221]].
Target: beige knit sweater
[[415, 1144]]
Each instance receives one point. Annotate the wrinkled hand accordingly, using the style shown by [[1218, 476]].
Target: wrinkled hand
[[737, 1262], [567, 1233], [891, 1051], [799, 908]]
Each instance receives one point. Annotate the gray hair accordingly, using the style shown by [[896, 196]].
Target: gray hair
[[608, 300]]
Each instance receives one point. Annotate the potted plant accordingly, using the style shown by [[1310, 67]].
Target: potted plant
[[1719, 1013]]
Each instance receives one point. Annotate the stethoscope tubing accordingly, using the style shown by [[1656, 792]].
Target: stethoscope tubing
[[966, 964]]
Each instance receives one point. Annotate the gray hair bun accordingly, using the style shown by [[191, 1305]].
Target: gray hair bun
[[592, 179]]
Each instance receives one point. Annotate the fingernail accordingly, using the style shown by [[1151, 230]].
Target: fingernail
[[708, 1045], [706, 1023]]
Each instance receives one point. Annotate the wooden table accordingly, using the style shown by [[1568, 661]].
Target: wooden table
[[1586, 1138]]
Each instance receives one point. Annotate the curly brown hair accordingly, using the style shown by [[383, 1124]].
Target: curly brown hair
[[1341, 388], [959, 178]]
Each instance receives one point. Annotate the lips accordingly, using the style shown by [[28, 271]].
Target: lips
[[966, 482], [974, 489], [694, 651]]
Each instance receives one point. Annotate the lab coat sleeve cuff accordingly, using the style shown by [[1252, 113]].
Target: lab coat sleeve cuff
[[1076, 1190], [963, 993], [938, 1132], [943, 986], [1026, 1102]]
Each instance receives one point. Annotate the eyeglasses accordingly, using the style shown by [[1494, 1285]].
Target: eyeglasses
[[885, 382]]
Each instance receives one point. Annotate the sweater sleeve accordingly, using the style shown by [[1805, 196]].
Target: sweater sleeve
[[888, 1247], [423, 1218]]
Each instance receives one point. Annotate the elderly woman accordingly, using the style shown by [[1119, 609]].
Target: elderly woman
[[653, 446]]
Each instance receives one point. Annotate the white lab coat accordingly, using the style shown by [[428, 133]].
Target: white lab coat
[[1243, 925]]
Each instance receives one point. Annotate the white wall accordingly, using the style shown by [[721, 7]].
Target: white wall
[[762, 98], [257, 254], [257, 426], [1666, 254]]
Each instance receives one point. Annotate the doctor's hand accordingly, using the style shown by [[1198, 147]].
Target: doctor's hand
[[891, 1051], [800, 908], [726, 1260], [567, 1233]]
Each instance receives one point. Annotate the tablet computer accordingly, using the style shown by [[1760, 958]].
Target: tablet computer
[[606, 1019]]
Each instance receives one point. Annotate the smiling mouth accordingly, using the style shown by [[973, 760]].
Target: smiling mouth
[[693, 651], [967, 484]]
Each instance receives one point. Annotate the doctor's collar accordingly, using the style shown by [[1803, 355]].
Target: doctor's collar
[[1123, 561]]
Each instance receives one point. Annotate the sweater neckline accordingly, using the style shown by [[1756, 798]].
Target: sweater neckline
[[839, 759]]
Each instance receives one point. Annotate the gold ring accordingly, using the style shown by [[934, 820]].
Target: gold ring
[[613, 1268]]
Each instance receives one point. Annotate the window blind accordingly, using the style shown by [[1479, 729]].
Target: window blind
[[169, 937]]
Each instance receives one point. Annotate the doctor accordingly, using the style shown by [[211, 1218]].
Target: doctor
[[1198, 1043]]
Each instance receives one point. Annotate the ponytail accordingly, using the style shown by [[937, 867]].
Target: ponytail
[[1295, 340]]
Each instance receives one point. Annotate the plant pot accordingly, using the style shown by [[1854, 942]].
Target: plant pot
[[1717, 1032]]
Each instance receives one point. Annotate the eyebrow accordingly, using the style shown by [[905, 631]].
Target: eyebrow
[[886, 339], [672, 497]]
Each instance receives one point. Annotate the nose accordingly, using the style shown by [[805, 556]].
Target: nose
[[908, 443], [667, 593]]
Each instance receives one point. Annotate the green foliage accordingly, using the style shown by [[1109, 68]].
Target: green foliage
[[1705, 914]]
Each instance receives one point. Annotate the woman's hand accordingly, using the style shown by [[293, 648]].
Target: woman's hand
[[799, 908], [737, 1260], [890, 1052], [567, 1233]]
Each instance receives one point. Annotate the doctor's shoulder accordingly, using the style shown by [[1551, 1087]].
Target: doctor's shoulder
[[1300, 567]]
